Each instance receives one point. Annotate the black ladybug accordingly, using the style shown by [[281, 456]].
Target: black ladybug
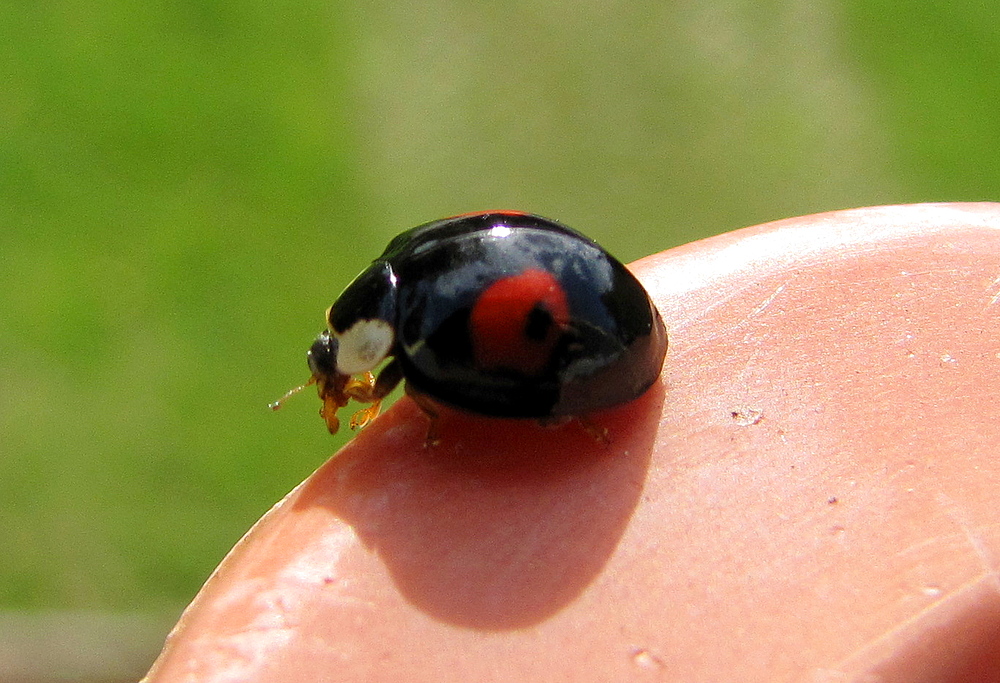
[[500, 313]]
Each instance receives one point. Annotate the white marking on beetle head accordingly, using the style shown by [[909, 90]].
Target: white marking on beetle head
[[363, 345]]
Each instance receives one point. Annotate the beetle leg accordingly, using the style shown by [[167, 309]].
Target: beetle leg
[[362, 390], [372, 390], [594, 430], [388, 379], [431, 438], [361, 418]]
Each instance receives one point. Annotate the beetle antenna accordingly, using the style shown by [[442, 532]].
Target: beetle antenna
[[291, 392]]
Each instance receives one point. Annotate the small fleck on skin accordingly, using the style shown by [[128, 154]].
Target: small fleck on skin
[[747, 416]]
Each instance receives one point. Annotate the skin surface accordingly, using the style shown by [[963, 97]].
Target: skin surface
[[810, 494]]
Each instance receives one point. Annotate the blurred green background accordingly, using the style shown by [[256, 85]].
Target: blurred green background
[[186, 185]]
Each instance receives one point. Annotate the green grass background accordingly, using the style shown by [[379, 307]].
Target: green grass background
[[186, 185]]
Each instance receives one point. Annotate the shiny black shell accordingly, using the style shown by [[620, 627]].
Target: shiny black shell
[[510, 315]]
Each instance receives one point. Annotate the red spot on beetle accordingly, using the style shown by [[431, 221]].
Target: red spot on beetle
[[517, 321]]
